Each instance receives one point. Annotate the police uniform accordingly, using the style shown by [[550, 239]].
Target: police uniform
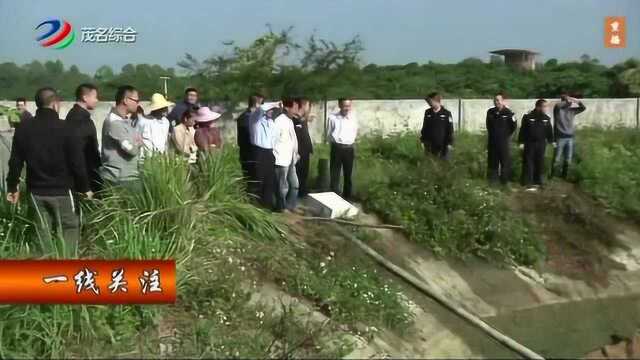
[[437, 131], [500, 126], [535, 132]]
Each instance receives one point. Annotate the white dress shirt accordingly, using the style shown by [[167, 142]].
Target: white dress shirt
[[155, 133], [343, 129], [285, 147]]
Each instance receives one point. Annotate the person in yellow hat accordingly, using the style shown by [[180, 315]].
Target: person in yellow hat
[[154, 127]]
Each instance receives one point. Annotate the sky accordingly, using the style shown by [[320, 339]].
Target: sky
[[393, 31]]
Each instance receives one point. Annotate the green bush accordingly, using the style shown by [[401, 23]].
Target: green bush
[[608, 167], [223, 245], [446, 206]]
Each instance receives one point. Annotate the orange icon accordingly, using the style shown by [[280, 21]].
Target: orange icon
[[615, 32]]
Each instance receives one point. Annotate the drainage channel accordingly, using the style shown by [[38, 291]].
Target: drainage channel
[[427, 290]]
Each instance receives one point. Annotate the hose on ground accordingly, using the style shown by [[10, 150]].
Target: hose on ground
[[426, 289]]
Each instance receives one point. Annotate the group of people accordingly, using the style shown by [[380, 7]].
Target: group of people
[[536, 131], [63, 158], [275, 149]]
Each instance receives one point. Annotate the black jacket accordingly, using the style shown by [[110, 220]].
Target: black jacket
[[305, 146], [500, 124], [243, 135], [52, 156], [82, 127], [535, 127], [437, 127]]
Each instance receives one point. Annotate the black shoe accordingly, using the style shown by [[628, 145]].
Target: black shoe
[[565, 170]]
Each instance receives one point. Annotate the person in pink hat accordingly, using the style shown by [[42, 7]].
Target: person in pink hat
[[207, 137]]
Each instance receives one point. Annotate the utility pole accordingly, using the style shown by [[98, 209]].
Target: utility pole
[[165, 79]]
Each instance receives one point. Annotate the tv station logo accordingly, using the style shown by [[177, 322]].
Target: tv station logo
[[615, 32], [59, 34]]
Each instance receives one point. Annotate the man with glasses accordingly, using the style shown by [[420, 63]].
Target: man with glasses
[[121, 142]]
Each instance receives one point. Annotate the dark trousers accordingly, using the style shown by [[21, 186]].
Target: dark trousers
[[302, 168], [341, 159], [265, 175], [533, 162], [441, 151], [59, 215], [499, 161], [246, 161]]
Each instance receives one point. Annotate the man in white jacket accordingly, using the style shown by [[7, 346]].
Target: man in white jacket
[[285, 151]]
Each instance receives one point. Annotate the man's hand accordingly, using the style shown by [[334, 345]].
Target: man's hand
[[450, 147], [555, 145], [89, 195], [521, 146], [13, 197]]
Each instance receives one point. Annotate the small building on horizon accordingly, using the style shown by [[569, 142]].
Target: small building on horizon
[[518, 58]]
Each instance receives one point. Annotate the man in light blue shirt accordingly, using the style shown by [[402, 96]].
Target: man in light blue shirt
[[261, 128]]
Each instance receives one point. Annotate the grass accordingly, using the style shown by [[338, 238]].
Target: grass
[[447, 207], [608, 168], [224, 248]]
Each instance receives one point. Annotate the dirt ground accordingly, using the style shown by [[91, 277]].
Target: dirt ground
[[592, 257], [577, 230]]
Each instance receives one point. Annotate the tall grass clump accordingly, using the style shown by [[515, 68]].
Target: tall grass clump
[[608, 167], [446, 206], [156, 221], [17, 230]]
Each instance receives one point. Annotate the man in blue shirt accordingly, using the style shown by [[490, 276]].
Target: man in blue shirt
[[261, 128]]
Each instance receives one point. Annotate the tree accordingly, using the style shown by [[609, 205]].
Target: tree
[[630, 77], [104, 74], [323, 55]]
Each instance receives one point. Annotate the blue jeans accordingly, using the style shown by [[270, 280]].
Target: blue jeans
[[564, 151], [287, 182]]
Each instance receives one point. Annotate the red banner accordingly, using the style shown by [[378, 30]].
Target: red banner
[[87, 281]]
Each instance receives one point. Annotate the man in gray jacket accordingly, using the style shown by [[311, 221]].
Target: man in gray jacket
[[564, 130], [121, 142]]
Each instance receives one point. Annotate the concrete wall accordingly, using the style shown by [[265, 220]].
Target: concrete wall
[[600, 112], [389, 116]]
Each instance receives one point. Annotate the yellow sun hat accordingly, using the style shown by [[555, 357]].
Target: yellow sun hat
[[158, 102]]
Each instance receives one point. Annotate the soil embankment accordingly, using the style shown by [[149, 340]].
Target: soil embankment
[[583, 293]]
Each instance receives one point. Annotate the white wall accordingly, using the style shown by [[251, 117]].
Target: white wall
[[388, 116]]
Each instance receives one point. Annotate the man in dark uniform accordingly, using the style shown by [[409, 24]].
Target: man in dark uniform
[[305, 146], [437, 128], [535, 132], [244, 136], [84, 131], [500, 126]]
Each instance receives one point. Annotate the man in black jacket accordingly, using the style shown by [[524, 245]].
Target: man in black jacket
[[305, 146], [500, 126], [80, 123], [244, 137], [437, 128], [535, 132], [54, 166], [190, 101]]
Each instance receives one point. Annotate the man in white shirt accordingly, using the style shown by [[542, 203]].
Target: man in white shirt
[[154, 128], [342, 131], [285, 151]]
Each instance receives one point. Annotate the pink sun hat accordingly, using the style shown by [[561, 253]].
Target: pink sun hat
[[204, 114]]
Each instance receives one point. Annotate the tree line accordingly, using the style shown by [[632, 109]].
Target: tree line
[[274, 64]]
